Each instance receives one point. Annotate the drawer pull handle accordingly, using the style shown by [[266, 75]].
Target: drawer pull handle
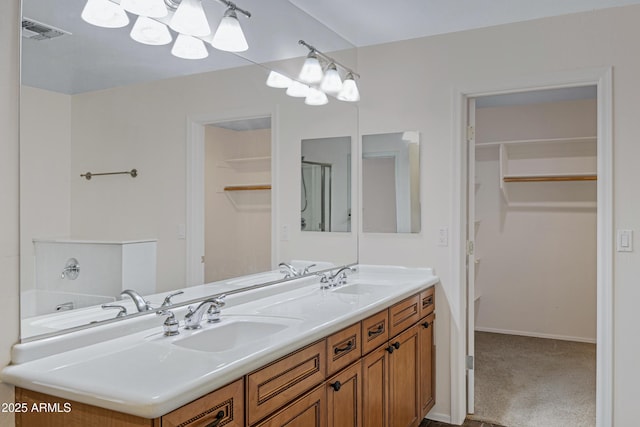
[[396, 345], [336, 386], [378, 331], [425, 324], [427, 302], [219, 417], [347, 347]]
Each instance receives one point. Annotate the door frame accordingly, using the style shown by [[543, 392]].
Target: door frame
[[602, 78], [195, 209]]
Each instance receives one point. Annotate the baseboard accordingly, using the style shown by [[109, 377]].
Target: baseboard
[[443, 418], [536, 335]]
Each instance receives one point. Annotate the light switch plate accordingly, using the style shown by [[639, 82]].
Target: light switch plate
[[443, 236], [624, 241]]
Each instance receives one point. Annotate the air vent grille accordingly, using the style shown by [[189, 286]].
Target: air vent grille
[[35, 30]]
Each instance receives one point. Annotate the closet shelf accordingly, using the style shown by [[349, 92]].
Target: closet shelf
[[250, 187], [537, 141], [547, 178]]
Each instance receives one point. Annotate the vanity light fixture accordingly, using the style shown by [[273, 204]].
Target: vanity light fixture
[[185, 17], [313, 84]]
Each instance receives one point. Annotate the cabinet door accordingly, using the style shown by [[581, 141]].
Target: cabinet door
[[344, 397], [427, 364], [375, 388], [404, 384], [308, 411]]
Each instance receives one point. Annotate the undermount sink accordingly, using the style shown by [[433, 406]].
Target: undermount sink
[[230, 334]]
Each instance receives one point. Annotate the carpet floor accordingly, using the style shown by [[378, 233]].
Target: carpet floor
[[533, 382]]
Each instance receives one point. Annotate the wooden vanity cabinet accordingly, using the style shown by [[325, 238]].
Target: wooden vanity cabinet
[[378, 372]]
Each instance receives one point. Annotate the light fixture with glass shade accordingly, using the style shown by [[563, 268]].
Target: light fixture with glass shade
[[104, 13], [189, 47], [316, 97], [187, 18], [148, 8], [331, 82], [311, 71], [349, 90], [298, 90], [151, 32], [229, 36], [277, 80]]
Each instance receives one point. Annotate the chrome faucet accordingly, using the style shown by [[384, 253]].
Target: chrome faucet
[[140, 303], [121, 313], [329, 280], [288, 270], [167, 300], [211, 306], [307, 268]]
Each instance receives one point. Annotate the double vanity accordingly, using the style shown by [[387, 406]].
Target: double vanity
[[304, 352]]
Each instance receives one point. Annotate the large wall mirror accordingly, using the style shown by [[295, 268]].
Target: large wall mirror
[[207, 159], [391, 182]]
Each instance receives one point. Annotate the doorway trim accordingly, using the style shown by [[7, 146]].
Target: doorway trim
[[194, 267], [601, 78]]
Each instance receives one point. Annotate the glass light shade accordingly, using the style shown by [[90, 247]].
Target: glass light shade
[[331, 82], [103, 13], [316, 97], [229, 36], [190, 19], [349, 90], [150, 8], [188, 47], [298, 90], [278, 80], [311, 71], [148, 31]]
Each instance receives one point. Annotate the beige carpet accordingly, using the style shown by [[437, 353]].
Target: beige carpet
[[534, 382]]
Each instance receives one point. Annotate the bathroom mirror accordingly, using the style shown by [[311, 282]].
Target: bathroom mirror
[[93, 100], [391, 182], [326, 184]]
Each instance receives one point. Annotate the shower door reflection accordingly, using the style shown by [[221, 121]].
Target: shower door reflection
[[316, 196]]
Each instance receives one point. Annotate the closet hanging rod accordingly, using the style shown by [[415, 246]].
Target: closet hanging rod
[[247, 187], [89, 175], [534, 178]]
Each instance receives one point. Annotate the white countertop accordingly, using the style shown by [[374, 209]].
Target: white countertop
[[147, 374]]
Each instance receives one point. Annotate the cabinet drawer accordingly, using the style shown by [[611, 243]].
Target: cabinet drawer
[[404, 314], [308, 411], [375, 331], [282, 381], [225, 405], [427, 302], [343, 348]]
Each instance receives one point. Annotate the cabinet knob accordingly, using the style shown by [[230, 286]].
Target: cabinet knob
[[336, 386], [425, 324], [219, 417], [396, 345], [390, 349]]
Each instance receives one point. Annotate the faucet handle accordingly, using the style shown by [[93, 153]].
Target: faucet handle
[[171, 324], [121, 313], [213, 313], [307, 268], [167, 299]]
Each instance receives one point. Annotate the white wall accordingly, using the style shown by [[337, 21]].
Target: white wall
[[237, 223], [9, 211], [426, 73], [45, 139]]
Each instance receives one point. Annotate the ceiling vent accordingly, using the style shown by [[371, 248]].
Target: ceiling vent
[[34, 30]]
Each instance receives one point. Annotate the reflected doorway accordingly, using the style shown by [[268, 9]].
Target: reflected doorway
[[237, 211]]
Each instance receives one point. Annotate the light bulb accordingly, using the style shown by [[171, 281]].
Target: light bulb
[[188, 47], [298, 90], [331, 83], [149, 8], [149, 31], [349, 90], [190, 19], [104, 13], [311, 70], [229, 36], [316, 97], [278, 80]]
